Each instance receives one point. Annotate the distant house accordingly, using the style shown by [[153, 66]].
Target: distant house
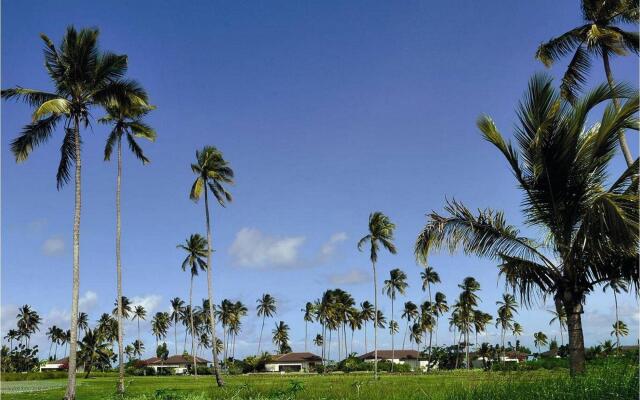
[[508, 357], [59, 365], [553, 353], [410, 357], [178, 364], [293, 362]]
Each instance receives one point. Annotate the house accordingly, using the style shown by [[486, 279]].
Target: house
[[509, 356], [178, 364], [293, 362], [59, 365], [410, 357]]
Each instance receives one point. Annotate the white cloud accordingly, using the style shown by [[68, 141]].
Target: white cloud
[[252, 248], [87, 301], [329, 248], [351, 277], [53, 246], [149, 302]]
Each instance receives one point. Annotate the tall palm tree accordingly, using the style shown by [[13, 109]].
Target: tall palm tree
[[160, 326], [308, 311], [517, 330], [11, 335], [125, 305], [416, 334], [591, 227], [507, 307], [368, 314], [52, 335], [177, 306], [93, 349], [138, 348], [539, 339], [266, 308], [619, 329], [439, 308], [599, 36], [281, 337], [560, 316], [427, 325], [354, 319], [139, 313], [84, 78], [196, 249], [616, 285], [480, 321], [83, 322], [28, 322], [127, 120], [429, 277], [410, 313], [397, 283], [318, 340], [380, 233], [212, 172]]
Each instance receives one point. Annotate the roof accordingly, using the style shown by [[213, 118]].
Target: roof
[[387, 355], [60, 361], [295, 357], [177, 359]]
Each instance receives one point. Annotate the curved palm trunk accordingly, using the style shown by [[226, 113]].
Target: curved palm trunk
[[404, 337], [212, 320], [621, 136], [574, 311], [375, 321], [193, 353], [261, 330], [393, 335], [70, 393], [120, 385]]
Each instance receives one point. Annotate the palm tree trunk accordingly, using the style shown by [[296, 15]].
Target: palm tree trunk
[[138, 329], [621, 136], [466, 346], [576, 339], [175, 335], [615, 298], [437, 321], [216, 369], [120, 385], [305, 335], [393, 349], [71, 382], [375, 321], [430, 349], [365, 337], [50, 346], [261, 330], [193, 353], [404, 337]]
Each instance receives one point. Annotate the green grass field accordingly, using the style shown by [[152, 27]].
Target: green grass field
[[604, 382]]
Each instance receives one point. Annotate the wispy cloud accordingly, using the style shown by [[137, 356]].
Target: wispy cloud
[[254, 249], [329, 248], [53, 246], [352, 277]]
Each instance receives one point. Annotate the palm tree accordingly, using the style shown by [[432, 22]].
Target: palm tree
[[12, 335], [84, 78], [308, 317], [196, 249], [212, 171], [93, 349], [28, 322], [380, 233], [439, 308], [381, 321], [367, 314], [177, 306], [616, 286], [127, 120], [318, 340], [416, 334], [52, 335], [598, 37], [138, 348], [507, 307], [397, 283], [354, 318], [139, 313], [83, 322], [517, 331], [560, 316], [564, 188], [160, 326], [128, 351], [429, 277], [125, 305], [619, 329], [266, 308], [281, 337], [427, 324], [410, 313], [539, 339]]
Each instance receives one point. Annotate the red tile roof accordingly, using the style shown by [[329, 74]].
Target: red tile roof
[[174, 360], [387, 354], [296, 357]]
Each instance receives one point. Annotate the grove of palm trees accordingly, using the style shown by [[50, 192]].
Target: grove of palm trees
[[489, 260]]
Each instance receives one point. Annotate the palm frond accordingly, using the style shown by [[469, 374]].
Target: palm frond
[[114, 136], [561, 46], [67, 158], [136, 149], [33, 135], [32, 97], [576, 74]]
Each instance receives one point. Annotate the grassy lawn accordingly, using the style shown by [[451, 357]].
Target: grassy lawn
[[600, 383]]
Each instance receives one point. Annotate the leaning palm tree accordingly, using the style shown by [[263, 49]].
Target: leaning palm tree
[[266, 308], [517, 330], [439, 308], [308, 311], [177, 306], [127, 120], [507, 307], [139, 313], [213, 172], [539, 339], [616, 286], [196, 249], [367, 314], [410, 313], [560, 316], [429, 277], [397, 283], [599, 37], [619, 329], [380, 233], [84, 78], [591, 228]]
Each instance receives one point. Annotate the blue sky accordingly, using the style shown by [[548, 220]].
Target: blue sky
[[325, 110]]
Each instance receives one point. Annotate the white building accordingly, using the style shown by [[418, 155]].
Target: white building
[[177, 364], [409, 357], [293, 362]]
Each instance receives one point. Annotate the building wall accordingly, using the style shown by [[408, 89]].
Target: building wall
[[275, 367]]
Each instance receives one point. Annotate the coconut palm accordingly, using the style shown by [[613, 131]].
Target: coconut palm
[[416, 334], [410, 313], [354, 319], [52, 335], [125, 304], [600, 37], [429, 277], [507, 307], [619, 329], [196, 249], [126, 120], [213, 172], [616, 285], [367, 314], [539, 339], [396, 284], [128, 351], [93, 349], [480, 321], [590, 227], [12, 335], [308, 317], [426, 325], [160, 326], [380, 233], [28, 322], [560, 316], [84, 78], [517, 330], [381, 320], [281, 337], [139, 313], [318, 340], [177, 306], [439, 308], [107, 327], [266, 308], [83, 322], [138, 348]]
